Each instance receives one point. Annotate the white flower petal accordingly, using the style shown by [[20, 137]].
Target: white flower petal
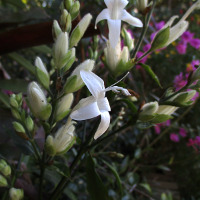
[[103, 104], [104, 14], [104, 124], [130, 19], [85, 110], [94, 83], [109, 3], [114, 31]]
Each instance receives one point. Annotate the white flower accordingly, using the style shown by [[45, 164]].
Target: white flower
[[114, 14], [97, 104]]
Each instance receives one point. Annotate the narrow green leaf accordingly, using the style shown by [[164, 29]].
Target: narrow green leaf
[[115, 173], [14, 85], [161, 118], [146, 186], [42, 49], [4, 99], [151, 73], [95, 186], [23, 62]]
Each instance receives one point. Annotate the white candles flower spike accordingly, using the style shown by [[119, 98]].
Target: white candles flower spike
[[97, 104], [114, 14]]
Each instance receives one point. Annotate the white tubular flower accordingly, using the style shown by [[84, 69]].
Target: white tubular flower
[[97, 104], [114, 14]]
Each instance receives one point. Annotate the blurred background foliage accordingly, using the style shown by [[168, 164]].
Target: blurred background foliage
[[129, 165]]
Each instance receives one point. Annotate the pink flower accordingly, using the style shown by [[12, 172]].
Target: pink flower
[[174, 137], [195, 43], [146, 47], [179, 81], [153, 35], [157, 129], [187, 36], [182, 132], [159, 25], [195, 63], [159, 126], [181, 48], [139, 54]]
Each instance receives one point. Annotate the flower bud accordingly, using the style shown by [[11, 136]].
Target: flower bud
[[38, 102], [166, 110], [125, 55], [149, 108], [5, 168], [195, 75], [16, 194], [41, 72], [18, 98], [63, 140], [16, 114], [79, 30], [29, 124], [68, 23], [56, 29], [60, 49], [184, 97], [63, 107], [74, 82], [3, 181], [68, 4], [18, 127], [74, 10], [63, 18], [128, 40], [141, 5], [160, 39], [13, 102]]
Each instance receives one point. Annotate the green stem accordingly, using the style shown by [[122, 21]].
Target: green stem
[[42, 170], [32, 141], [144, 30]]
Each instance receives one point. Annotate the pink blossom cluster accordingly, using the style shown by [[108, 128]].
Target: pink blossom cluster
[[187, 38], [194, 142], [175, 137]]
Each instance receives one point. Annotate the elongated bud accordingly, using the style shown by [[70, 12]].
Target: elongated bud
[[18, 127], [79, 30], [184, 97], [63, 140], [3, 181], [128, 40], [29, 124], [74, 10], [166, 110], [160, 39], [5, 168], [141, 5], [16, 114], [125, 55], [13, 102], [38, 102], [74, 82], [195, 75], [68, 4], [16, 194], [61, 48], [63, 107], [41, 72], [56, 29]]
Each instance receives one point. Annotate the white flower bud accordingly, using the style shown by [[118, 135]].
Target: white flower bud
[[166, 109], [38, 102], [16, 194], [149, 108], [63, 107], [79, 30], [56, 29], [141, 5]]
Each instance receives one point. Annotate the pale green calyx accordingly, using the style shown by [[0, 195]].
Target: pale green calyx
[[63, 106], [79, 30], [16, 194], [38, 102], [56, 29]]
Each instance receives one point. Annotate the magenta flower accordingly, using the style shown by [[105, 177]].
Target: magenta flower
[[139, 54], [146, 47], [174, 137], [195, 63], [179, 81], [159, 25], [195, 43], [181, 48], [182, 132], [187, 36]]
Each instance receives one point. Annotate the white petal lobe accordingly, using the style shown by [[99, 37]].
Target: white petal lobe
[[104, 124], [103, 104], [104, 14], [131, 20], [94, 83]]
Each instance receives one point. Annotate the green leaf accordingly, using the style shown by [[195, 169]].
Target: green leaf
[[95, 186], [161, 118], [14, 85], [164, 168], [115, 173], [42, 49], [146, 186], [151, 73], [4, 99], [23, 62]]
